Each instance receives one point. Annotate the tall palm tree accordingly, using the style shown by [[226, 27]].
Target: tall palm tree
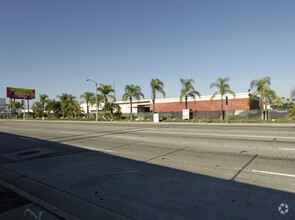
[[223, 88], [188, 90], [157, 86], [43, 101], [53, 106], [132, 91], [71, 103], [13, 105], [105, 90], [38, 109], [113, 108], [78, 109], [63, 103], [262, 88], [88, 96]]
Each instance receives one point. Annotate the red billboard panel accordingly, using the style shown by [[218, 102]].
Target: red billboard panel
[[18, 93]]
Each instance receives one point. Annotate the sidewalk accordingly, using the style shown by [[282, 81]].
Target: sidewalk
[[17, 205], [264, 124]]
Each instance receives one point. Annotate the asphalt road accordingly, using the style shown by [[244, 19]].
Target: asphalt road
[[153, 171]]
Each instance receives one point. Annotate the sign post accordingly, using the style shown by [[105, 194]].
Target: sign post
[[185, 114]]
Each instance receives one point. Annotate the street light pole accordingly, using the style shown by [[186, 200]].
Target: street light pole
[[95, 97]]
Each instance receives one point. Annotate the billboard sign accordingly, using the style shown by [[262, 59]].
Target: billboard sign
[[18, 93]]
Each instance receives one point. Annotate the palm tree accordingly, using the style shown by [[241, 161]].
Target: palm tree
[[88, 96], [99, 98], [266, 94], [105, 90], [53, 106], [13, 105], [157, 86], [63, 103], [223, 88], [132, 91], [71, 103], [43, 101], [78, 110], [187, 90], [113, 108], [38, 109]]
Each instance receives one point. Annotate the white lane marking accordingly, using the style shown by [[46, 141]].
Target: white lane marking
[[273, 173], [97, 149], [287, 148], [31, 139], [224, 135]]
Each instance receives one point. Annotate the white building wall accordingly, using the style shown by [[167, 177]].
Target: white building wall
[[125, 106]]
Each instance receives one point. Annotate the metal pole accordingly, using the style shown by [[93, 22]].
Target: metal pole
[[96, 101], [28, 108], [226, 109], [95, 97]]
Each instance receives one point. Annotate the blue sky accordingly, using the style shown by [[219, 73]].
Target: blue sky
[[53, 46]]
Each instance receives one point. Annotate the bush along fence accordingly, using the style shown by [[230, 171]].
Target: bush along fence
[[214, 115]]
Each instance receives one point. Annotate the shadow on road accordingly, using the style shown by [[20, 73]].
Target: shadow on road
[[84, 183]]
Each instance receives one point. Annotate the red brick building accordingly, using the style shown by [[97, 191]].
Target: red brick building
[[240, 102]]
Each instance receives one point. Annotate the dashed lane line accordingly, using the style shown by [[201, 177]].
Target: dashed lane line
[[273, 173]]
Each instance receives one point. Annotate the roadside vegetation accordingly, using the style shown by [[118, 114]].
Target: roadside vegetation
[[66, 106]]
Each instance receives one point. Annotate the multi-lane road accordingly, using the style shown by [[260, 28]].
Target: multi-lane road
[[153, 171]]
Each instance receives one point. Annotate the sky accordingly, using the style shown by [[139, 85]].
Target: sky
[[53, 46]]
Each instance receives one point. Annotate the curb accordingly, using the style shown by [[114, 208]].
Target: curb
[[54, 210], [289, 124]]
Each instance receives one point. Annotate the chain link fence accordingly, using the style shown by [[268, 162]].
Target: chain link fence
[[198, 115]]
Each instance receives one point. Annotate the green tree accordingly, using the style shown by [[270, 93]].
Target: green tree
[[13, 106], [105, 90], [223, 88], [99, 98], [187, 90], [63, 103], [114, 109], [67, 102], [266, 94], [43, 101], [71, 104], [53, 106], [89, 97], [78, 110], [156, 86], [37, 109], [132, 91]]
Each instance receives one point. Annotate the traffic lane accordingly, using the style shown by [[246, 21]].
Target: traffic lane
[[88, 126], [75, 129], [140, 150], [143, 191], [214, 158]]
